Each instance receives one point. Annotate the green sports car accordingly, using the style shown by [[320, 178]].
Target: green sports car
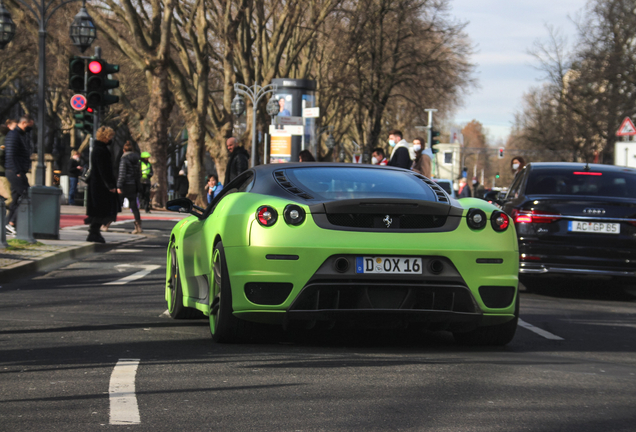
[[320, 244]]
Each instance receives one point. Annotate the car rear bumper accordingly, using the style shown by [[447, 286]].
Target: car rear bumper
[[543, 269]]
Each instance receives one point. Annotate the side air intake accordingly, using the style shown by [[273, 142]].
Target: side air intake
[[286, 184]]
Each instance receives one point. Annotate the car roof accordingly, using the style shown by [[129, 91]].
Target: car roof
[[579, 165]]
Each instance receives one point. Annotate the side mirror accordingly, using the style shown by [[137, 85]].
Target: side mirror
[[180, 205]]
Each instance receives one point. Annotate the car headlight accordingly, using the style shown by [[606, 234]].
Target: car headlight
[[294, 214], [266, 216], [476, 218], [499, 221]]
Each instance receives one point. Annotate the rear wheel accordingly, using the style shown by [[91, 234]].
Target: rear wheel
[[495, 335], [224, 326], [176, 309]]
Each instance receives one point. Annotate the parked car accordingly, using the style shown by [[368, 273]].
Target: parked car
[[448, 186], [575, 220], [318, 244]]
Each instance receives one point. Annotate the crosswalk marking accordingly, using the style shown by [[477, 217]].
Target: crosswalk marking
[[123, 401]]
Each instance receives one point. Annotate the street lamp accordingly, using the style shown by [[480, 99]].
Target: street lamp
[[41, 10], [272, 108], [7, 26], [254, 93], [238, 106], [82, 30]]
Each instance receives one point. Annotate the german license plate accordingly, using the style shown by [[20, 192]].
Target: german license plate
[[389, 265], [594, 227]]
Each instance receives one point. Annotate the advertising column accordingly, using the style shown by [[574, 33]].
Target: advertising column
[[293, 96]]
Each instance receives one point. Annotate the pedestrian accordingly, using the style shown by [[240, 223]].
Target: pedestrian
[[146, 175], [517, 164], [213, 187], [5, 186], [464, 189], [377, 157], [129, 182], [422, 162], [17, 162], [478, 189], [400, 156], [238, 161], [103, 202], [306, 156], [181, 184], [74, 171]]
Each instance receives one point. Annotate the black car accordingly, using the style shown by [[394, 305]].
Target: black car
[[575, 220]]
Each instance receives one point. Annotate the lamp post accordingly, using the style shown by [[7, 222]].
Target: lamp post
[[254, 93], [82, 33]]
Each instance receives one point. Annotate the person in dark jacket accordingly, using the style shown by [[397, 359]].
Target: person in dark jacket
[[74, 171], [464, 189], [128, 182], [17, 162], [5, 186], [400, 156], [306, 156], [181, 184], [238, 161], [103, 203]]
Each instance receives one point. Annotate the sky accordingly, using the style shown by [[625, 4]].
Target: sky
[[502, 32]]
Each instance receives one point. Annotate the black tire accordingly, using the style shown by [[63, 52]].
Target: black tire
[[495, 335], [176, 309], [224, 326]]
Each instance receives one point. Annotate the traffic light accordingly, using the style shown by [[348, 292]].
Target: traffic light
[[84, 121], [77, 74], [433, 140], [98, 84], [501, 152], [497, 175]]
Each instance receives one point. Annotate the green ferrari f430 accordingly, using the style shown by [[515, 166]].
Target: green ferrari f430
[[322, 244]]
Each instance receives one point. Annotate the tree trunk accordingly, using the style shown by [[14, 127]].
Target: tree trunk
[[155, 133]]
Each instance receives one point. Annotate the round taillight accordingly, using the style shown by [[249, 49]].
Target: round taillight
[[266, 216], [499, 221], [294, 214], [476, 218]]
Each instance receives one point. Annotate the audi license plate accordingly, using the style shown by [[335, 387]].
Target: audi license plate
[[594, 227], [389, 265]]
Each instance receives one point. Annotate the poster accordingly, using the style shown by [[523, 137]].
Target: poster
[[285, 104], [280, 149]]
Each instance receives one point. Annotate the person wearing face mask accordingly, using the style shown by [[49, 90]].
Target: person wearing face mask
[[400, 156], [103, 202], [17, 162], [377, 157], [517, 164], [422, 162]]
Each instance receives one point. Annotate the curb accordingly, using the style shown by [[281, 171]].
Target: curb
[[55, 259]]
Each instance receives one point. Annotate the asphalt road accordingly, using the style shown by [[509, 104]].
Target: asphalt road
[[72, 344]]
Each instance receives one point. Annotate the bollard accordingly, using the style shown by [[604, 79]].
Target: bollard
[[24, 221], [3, 230]]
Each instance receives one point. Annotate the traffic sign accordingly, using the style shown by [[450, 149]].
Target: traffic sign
[[78, 102], [357, 158], [290, 129], [311, 112], [627, 128], [287, 120]]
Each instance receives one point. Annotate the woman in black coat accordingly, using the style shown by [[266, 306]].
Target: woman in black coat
[[103, 202], [129, 182]]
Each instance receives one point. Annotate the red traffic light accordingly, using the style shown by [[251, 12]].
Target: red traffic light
[[90, 110], [95, 67]]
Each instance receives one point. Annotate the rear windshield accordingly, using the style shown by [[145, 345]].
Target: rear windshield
[[561, 181], [351, 183]]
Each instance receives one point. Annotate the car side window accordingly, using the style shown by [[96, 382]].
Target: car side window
[[242, 183], [513, 193]]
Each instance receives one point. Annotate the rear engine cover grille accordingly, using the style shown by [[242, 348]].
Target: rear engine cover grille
[[363, 220]]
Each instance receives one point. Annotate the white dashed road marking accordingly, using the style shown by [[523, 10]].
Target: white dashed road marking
[[133, 277], [123, 401], [539, 331]]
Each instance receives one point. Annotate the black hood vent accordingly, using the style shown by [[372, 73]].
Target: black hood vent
[[441, 194], [286, 184]]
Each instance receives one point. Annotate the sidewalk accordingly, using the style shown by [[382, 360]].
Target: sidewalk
[[22, 258]]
